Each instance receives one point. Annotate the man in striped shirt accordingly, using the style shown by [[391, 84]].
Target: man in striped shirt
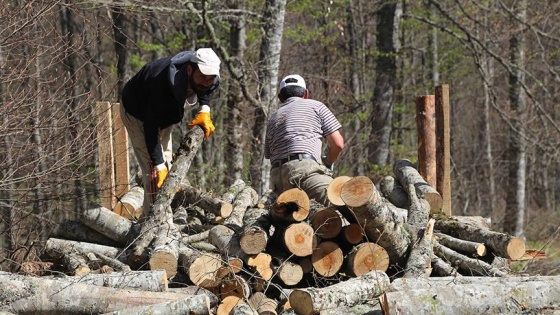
[[294, 141]]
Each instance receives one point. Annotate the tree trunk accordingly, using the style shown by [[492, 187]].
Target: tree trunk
[[107, 223], [511, 295], [46, 296], [76, 231], [347, 293], [192, 305]]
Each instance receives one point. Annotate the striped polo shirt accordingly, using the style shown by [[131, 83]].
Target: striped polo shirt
[[298, 127]]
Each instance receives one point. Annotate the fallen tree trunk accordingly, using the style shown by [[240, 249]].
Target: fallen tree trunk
[[448, 295], [46, 296], [347, 293], [500, 244], [55, 245], [192, 305], [159, 223]]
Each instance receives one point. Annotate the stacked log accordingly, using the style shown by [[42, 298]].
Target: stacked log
[[272, 254]]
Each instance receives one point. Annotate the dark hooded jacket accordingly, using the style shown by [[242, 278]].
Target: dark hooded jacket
[[156, 95]]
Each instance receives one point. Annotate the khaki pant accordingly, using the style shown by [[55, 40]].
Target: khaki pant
[[310, 176], [135, 129]]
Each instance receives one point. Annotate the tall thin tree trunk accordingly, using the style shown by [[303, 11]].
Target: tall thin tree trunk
[[517, 153], [386, 70], [67, 30], [269, 56], [235, 97], [119, 33]]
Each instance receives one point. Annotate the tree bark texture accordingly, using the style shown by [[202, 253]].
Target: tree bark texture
[[347, 293], [407, 174], [192, 305]]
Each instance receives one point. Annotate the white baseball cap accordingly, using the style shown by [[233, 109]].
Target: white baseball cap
[[293, 79], [207, 61]]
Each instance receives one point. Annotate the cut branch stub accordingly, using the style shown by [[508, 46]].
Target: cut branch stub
[[291, 206], [357, 191], [333, 190]]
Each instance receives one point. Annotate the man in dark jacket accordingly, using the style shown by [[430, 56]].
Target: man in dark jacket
[[153, 100]]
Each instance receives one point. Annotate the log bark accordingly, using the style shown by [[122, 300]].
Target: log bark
[[394, 192], [333, 190], [373, 214], [463, 246], [107, 223], [189, 195], [243, 309], [55, 245], [192, 305], [247, 198], [419, 263], [159, 222], [327, 259], [511, 295], [255, 234], [500, 244], [291, 206], [77, 231], [130, 205], [327, 223], [267, 199], [468, 265], [366, 257], [407, 174], [442, 268], [153, 281], [47, 296], [347, 293]]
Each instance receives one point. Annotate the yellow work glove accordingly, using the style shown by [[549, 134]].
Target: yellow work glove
[[203, 119], [161, 174]]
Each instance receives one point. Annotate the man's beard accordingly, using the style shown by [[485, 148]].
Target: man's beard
[[198, 88]]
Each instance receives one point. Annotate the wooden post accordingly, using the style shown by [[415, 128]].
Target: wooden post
[[426, 126], [122, 178], [443, 147], [105, 155]]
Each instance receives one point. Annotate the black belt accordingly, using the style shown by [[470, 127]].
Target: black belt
[[297, 156]]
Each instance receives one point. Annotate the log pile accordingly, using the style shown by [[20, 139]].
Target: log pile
[[239, 253]]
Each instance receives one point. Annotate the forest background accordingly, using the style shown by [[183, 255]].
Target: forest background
[[366, 60]]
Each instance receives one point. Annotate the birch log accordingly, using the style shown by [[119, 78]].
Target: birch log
[[467, 264], [500, 244], [189, 195], [34, 295], [473, 295], [107, 223], [379, 222], [247, 198], [192, 305], [407, 174], [419, 263], [256, 231], [347, 293]]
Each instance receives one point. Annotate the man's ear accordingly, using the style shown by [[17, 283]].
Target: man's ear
[[189, 70], [306, 94]]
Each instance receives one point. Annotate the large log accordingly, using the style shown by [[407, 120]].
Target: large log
[[500, 244], [145, 280], [130, 205], [192, 305], [473, 295], [107, 223], [77, 231], [326, 222], [380, 224], [297, 238], [347, 293], [393, 191], [55, 245], [407, 174], [159, 223], [34, 295], [327, 259], [333, 190], [205, 270]]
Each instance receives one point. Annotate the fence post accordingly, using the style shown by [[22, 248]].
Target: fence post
[[443, 149]]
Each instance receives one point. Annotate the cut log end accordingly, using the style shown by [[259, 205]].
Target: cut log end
[[299, 239], [334, 189], [353, 233], [367, 257], [164, 260], [327, 223], [253, 241], [327, 259], [204, 271], [516, 248], [357, 191], [226, 209], [302, 302]]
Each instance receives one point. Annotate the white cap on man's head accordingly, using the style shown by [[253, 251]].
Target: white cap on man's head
[[293, 79], [207, 61]]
